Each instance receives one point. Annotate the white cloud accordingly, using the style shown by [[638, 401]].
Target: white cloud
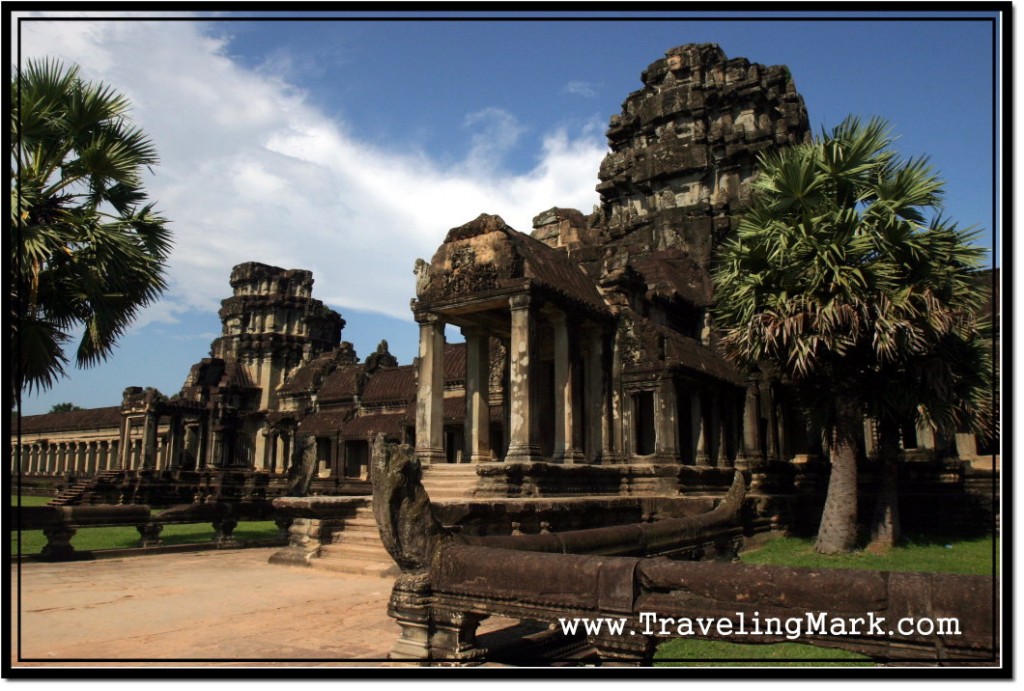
[[249, 171], [582, 88]]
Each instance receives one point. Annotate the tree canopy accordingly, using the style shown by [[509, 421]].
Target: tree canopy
[[89, 250], [845, 275]]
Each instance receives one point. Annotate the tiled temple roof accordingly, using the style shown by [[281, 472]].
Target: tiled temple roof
[[92, 418], [391, 385], [340, 384]]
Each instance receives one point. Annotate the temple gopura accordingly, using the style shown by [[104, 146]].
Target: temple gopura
[[589, 365]]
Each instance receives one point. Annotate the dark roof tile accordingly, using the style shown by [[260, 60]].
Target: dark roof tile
[[92, 418]]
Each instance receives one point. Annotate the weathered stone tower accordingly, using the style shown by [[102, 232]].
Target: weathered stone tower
[[272, 324], [684, 149]]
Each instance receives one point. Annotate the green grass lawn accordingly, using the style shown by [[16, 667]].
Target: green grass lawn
[[918, 553], [31, 501], [671, 654], [127, 536], [939, 554]]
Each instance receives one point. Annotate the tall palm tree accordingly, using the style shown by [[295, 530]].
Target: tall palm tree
[[837, 277], [88, 250]]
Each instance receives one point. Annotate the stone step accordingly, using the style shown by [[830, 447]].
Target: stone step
[[357, 536], [366, 550], [341, 562], [357, 523]]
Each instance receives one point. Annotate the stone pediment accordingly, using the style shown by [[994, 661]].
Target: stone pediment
[[487, 255]]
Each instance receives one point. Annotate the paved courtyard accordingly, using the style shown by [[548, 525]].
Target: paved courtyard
[[219, 607]]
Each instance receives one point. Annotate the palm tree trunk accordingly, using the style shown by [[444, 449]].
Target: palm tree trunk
[[838, 530], [885, 525]]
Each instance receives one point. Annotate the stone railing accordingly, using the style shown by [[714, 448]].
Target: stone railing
[[60, 523], [888, 616], [450, 583]]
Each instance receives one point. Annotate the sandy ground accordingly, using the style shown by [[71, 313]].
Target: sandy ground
[[219, 607]]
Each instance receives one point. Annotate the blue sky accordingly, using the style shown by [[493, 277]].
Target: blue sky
[[351, 147]]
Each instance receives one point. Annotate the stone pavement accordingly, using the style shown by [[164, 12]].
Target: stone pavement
[[199, 608]]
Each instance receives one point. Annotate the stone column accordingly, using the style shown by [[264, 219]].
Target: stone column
[[523, 443], [722, 431], [285, 448], [175, 435], [91, 457], [666, 426], [149, 440], [202, 432], [124, 438], [870, 435], [598, 433], [273, 451], [752, 450], [615, 434], [478, 417], [925, 437], [701, 434], [773, 451], [62, 457], [566, 448], [430, 390]]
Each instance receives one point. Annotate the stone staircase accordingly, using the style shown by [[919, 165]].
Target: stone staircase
[[450, 481], [355, 547], [75, 493]]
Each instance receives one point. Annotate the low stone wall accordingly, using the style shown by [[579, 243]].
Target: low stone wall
[[60, 523], [471, 583]]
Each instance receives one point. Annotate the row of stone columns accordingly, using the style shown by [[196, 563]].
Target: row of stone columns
[[713, 426], [276, 451], [570, 376], [53, 458]]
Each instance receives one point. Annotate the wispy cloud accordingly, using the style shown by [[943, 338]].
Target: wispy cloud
[[582, 88], [250, 171]]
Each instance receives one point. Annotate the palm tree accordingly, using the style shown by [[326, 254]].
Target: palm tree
[[836, 276], [88, 250]]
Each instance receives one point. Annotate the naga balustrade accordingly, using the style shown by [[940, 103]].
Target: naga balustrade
[[450, 583], [60, 523]]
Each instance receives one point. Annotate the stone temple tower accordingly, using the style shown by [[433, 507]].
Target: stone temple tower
[[684, 149], [271, 324]]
